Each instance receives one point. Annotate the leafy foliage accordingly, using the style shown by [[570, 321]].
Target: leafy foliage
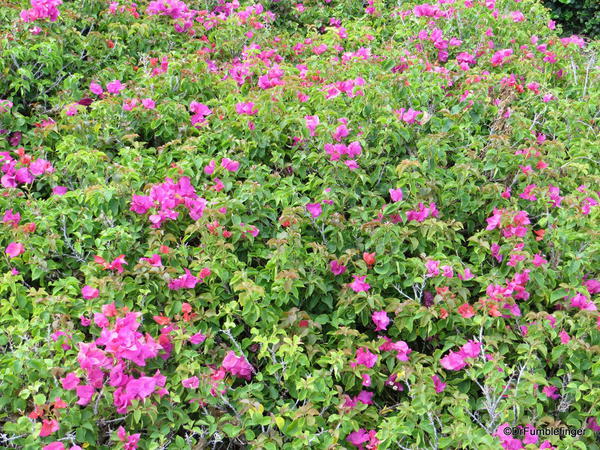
[[279, 225]]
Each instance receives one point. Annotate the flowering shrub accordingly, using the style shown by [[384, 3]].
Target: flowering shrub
[[275, 224]]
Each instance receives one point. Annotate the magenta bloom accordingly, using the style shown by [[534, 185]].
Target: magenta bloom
[[59, 190], [197, 338], [550, 392], [437, 384], [396, 195], [96, 88], [471, 349], [237, 366], [246, 109], [187, 281], [311, 123], [154, 260], [114, 87], [70, 382], [358, 438], [453, 361], [315, 209], [578, 301], [85, 393], [57, 445], [49, 427], [148, 103], [230, 164], [336, 267], [191, 383], [364, 358], [15, 249], [89, 292], [359, 284], [432, 268], [381, 319]]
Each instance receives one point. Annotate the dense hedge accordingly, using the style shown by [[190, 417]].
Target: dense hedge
[[576, 16], [292, 225]]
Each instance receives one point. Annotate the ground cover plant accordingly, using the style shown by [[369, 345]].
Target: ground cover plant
[[280, 225]]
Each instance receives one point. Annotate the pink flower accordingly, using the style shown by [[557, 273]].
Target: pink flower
[[114, 87], [210, 168], [538, 260], [130, 442], [197, 338], [148, 103], [467, 275], [396, 195], [96, 88], [466, 310], [230, 164], [581, 301], [56, 445], [471, 349], [70, 382], [381, 319], [432, 267], [437, 384], [191, 383], [362, 436], [155, 260], [311, 123], [364, 358], [187, 281], [592, 424], [315, 209], [447, 271], [15, 249], [359, 284], [246, 109], [366, 380], [564, 337], [237, 366], [59, 190], [89, 292], [365, 397], [85, 393], [340, 132], [200, 111], [550, 392], [49, 427], [336, 267], [453, 361]]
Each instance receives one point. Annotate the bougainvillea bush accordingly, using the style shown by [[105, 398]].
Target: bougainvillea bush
[[280, 225]]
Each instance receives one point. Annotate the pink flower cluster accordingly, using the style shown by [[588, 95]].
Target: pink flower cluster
[[363, 439], [188, 281], [23, 171], [113, 87], [408, 116], [509, 442], [583, 303], [400, 347], [165, 197], [41, 9], [456, 360], [424, 212], [237, 366], [511, 223], [175, 9], [122, 344], [200, 111], [348, 87]]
